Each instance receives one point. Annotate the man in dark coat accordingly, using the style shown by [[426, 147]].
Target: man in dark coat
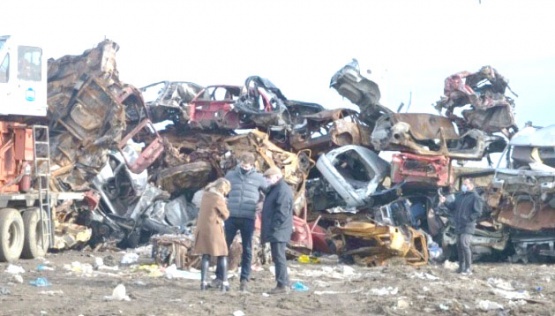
[[246, 187], [277, 224], [466, 208]]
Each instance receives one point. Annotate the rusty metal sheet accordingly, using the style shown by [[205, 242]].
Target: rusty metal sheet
[[527, 215], [373, 244], [421, 169]]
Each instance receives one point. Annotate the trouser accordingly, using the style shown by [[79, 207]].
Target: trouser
[[246, 228], [464, 252], [280, 263]]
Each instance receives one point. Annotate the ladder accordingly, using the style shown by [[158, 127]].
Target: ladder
[[41, 154]]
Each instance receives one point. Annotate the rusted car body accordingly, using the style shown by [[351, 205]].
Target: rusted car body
[[169, 100], [526, 191], [213, 108], [491, 110], [349, 83], [428, 134], [372, 244], [350, 176], [329, 129], [421, 170]]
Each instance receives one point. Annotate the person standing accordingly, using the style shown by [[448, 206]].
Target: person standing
[[209, 234], [277, 224], [466, 208], [246, 187]]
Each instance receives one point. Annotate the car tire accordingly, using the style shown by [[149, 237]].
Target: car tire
[[11, 234]]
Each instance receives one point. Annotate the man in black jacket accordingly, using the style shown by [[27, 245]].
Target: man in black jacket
[[246, 187], [466, 208], [277, 224]]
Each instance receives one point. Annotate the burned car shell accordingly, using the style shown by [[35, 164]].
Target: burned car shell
[[491, 110], [429, 134], [361, 91], [354, 192], [168, 100], [528, 187]]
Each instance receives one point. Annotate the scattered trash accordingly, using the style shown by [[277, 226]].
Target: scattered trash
[[13, 269], [424, 276], [238, 313], [118, 294], [435, 251], [265, 294], [52, 293], [79, 267], [384, 291], [308, 259], [43, 267], [299, 287], [512, 295], [173, 273], [450, 265], [538, 288], [5, 291], [18, 278], [40, 282], [500, 284], [487, 305], [425, 289], [513, 304], [318, 283], [129, 258], [402, 304], [443, 307]]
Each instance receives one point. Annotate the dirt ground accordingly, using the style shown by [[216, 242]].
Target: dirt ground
[[77, 287]]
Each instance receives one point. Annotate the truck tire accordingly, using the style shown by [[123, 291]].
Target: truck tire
[[32, 244], [11, 234]]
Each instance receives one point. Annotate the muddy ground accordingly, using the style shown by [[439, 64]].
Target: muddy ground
[[79, 286]]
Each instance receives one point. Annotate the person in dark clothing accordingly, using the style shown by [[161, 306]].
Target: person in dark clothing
[[246, 187], [466, 208], [277, 224]]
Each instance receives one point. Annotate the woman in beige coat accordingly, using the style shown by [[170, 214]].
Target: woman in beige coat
[[209, 234]]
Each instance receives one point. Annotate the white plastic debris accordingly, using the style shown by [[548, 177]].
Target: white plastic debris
[[402, 304], [517, 303], [450, 265], [79, 267], [13, 269], [512, 295], [500, 284], [130, 258], [424, 276], [118, 294], [319, 283], [487, 305], [384, 291], [172, 272], [443, 307], [52, 293], [18, 278], [238, 313]]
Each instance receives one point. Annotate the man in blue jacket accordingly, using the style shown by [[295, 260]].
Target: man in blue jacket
[[277, 224], [246, 186], [466, 208]]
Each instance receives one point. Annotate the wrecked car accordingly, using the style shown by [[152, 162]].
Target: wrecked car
[[351, 176], [372, 244], [525, 188], [349, 83], [169, 100], [428, 134], [329, 129], [490, 109]]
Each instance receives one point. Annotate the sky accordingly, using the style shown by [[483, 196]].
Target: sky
[[410, 47]]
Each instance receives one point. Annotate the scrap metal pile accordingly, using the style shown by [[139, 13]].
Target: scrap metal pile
[[143, 180]]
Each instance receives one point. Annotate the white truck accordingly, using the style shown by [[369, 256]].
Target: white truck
[[27, 205]]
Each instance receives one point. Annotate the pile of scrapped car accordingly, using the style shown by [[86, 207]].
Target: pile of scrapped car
[[143, 154]]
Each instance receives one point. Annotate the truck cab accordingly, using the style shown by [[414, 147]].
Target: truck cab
[[23, 77]]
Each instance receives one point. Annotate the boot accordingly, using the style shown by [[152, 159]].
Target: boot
[[222, 263], [204, 265]]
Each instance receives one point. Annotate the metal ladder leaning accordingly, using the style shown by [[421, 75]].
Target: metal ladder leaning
[[41, 154]]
